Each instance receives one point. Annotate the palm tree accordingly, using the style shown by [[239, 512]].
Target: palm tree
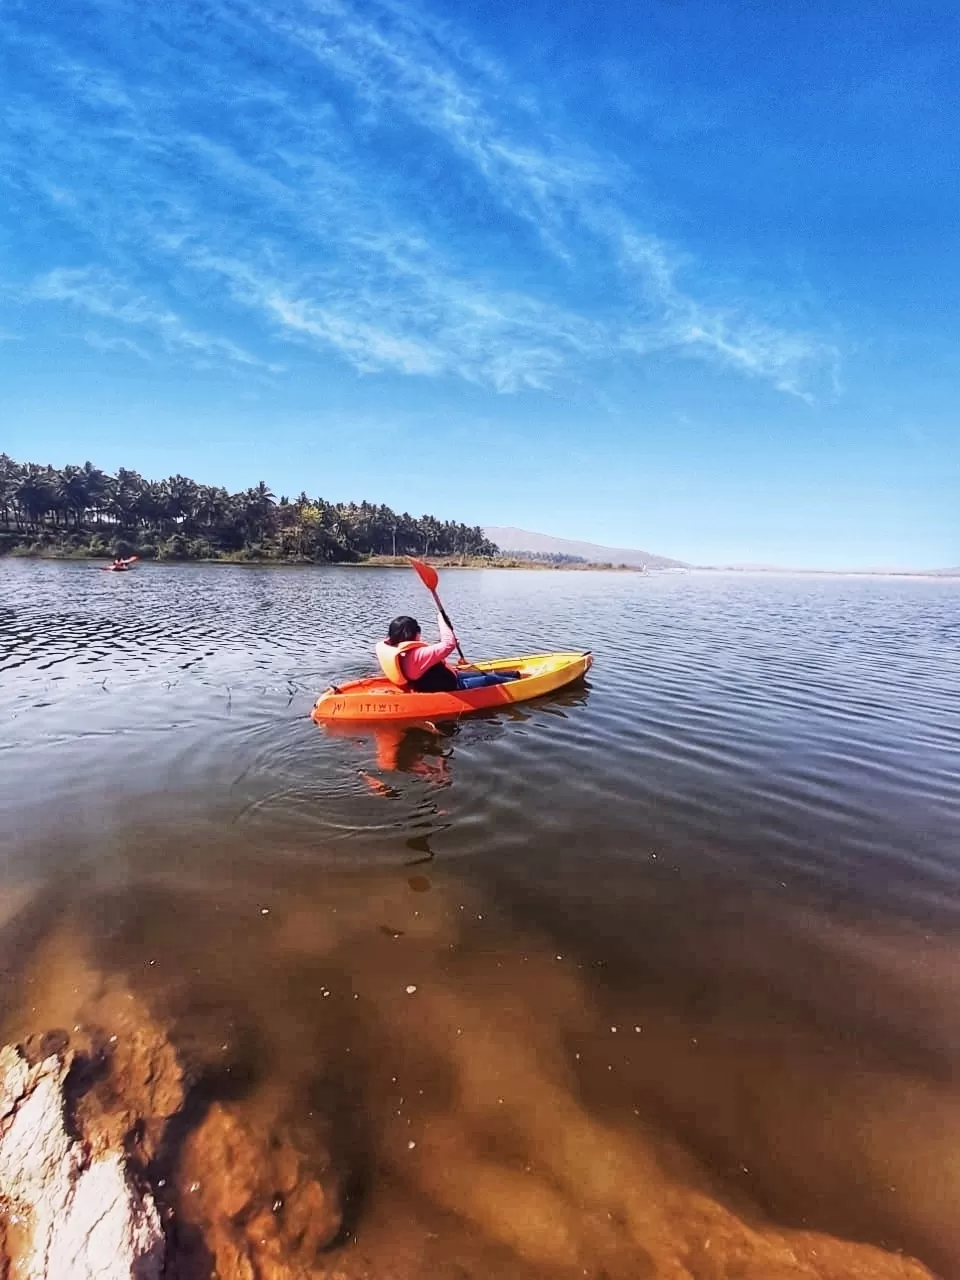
[[9, 479], [182, 498], [149, 504], [124, 492], [258, 504], [34, 494], [212, 505], [73, 493], [97, 488], [430, 530]]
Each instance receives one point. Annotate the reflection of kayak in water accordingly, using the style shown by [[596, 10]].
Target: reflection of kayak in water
[[408, 746], [375, 698]]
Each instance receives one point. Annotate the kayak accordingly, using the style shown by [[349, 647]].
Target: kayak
[[113, 568], [375, 698]]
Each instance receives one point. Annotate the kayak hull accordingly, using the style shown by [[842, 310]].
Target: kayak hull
[[375, 699]]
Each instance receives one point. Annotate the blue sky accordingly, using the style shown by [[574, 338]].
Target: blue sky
[[682, 277]]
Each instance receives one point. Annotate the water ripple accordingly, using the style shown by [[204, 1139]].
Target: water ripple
[[783, 726]]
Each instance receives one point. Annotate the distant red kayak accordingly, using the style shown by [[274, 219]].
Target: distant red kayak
[[118, 568]]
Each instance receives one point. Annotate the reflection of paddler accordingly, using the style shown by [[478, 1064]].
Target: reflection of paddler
[[376, 786], [399, 749], [388, 741], [402, 749]]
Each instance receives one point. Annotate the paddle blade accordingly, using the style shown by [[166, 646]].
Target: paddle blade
[[425, 572]]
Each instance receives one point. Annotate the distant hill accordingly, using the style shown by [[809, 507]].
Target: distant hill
[[514, 540]]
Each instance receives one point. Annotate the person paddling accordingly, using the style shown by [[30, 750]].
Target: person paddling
[[121, 562], [410, 663]]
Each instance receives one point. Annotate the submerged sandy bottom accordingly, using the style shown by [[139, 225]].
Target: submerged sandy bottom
[[496, 1097]]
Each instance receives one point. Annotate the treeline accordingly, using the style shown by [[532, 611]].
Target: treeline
[[83, 510], [550, 557]]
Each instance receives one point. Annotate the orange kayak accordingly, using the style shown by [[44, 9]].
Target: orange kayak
[[375, 698]]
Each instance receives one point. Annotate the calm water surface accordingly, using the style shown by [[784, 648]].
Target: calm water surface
[[706, 906]]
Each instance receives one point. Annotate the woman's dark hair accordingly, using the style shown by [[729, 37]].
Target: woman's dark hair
[[403, 629]]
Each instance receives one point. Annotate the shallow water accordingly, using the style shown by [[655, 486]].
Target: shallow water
[[691, 928]]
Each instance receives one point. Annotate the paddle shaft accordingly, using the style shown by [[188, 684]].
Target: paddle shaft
[[443, 614], [428, 576]]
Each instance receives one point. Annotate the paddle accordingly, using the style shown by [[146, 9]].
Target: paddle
[[428, 576], [118, 565]]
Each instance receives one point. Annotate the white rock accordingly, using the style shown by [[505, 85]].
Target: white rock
[[80, 1219]]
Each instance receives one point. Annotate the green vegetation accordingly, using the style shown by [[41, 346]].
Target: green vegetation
[[557, 559], [82, 511]]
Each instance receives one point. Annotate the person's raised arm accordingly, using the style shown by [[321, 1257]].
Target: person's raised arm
[[416, 661]]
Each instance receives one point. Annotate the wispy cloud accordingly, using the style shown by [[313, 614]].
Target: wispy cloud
[[727, 336], [118, 346], [100, 294], [434, 325], [399, 59], [359, 180]]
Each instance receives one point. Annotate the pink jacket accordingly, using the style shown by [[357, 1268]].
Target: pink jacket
[[416, 661]]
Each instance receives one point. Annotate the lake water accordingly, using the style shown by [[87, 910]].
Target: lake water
[[689, 932]]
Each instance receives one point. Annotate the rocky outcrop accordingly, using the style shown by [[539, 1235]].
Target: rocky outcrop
[[114, 1165], [71, 1208]]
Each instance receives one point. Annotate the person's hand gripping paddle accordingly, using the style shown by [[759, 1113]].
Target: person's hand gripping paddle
[[428, 576]]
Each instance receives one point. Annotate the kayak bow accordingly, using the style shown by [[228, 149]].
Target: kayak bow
[[375, 698]]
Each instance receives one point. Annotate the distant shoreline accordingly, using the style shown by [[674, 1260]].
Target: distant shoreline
[[496, 562], [369, 562]]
